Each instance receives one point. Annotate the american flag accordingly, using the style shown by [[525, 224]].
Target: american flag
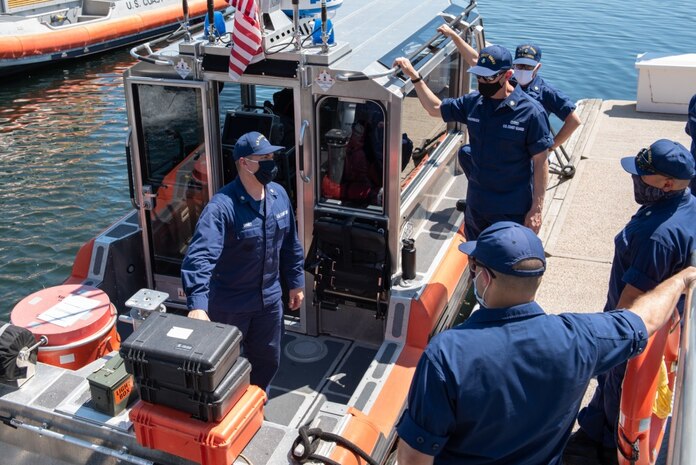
[[246, 37]]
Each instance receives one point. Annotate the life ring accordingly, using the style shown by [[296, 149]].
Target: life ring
[[640, 429]]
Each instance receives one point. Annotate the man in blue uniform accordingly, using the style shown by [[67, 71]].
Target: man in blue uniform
[[654, 245], [509, 137], [526, 65], [691, 130], [245, 241], [504, 386]]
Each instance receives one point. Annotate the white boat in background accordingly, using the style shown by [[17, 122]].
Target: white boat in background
[[38, 32], [666, 82]]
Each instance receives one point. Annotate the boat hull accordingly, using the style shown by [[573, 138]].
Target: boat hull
[[42, 45]]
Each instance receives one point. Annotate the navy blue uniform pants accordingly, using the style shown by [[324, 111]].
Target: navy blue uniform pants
[[261, 339], [476, 221], [601, 416]]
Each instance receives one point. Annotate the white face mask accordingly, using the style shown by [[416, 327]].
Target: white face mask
[[480, 298], [524, 76]]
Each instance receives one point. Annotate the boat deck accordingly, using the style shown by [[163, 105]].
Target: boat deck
[[320, 377]]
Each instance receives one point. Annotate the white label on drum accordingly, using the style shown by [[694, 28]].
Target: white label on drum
[[67, 358], [69, 310], [179, 333], [35, 300]]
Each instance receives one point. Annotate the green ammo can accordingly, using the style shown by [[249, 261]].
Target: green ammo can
[[111, 387]]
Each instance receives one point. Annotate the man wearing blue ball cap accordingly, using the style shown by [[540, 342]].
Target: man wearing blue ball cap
[[505, 386], [526, 66], [655, 244], [246, 242], [509, 137]]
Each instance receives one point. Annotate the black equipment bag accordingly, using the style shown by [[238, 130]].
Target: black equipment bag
[[350, 259], [12, 340]]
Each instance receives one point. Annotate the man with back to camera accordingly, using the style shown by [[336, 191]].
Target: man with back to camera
[[245, 241], [504, 387], [691, 130], [526, 66], [655, 244], [509, 136]]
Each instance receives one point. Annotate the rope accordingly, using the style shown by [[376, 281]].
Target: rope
[[309, 439]]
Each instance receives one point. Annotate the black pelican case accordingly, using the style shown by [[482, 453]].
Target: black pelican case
[[181, 353], [206, 406]]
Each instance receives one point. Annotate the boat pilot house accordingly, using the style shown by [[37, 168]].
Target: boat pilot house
[[374, 184]]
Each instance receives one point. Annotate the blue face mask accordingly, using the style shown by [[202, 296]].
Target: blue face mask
[[480, 297], [645, 193]]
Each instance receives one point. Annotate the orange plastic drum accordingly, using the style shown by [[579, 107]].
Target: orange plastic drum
[[79, 322]]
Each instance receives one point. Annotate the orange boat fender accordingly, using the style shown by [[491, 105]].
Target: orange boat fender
[[644, 393]]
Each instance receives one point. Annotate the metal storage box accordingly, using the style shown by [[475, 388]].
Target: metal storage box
[[111, 387], [181, 353], [163, 428], [207, 406]]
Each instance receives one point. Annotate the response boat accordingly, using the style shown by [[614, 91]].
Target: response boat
[[374, 183]]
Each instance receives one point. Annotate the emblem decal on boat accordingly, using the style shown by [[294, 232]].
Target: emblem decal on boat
[[324, 81], [183, 69]]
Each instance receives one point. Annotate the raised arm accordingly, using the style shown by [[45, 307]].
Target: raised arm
[[467, 52], [426, 97]]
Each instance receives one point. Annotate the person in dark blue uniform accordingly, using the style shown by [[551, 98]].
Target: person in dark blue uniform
[[655, 244], [509, 139], [691, 130], [504, 386], [245, 242], [527, 64]]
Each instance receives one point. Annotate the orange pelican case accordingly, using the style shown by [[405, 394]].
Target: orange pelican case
[[163, 428]]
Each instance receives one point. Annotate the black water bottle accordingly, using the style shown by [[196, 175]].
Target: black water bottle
[[408, 258]]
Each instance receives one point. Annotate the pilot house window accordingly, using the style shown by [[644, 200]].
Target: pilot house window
[[351, 161]]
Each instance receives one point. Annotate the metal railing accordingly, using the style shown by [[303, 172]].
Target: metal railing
[[682, 447]]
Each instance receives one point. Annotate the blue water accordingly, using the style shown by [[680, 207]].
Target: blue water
[[62, 165]]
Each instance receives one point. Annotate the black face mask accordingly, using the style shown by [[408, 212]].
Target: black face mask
[[267, 171], [645, 193], [489, 89]]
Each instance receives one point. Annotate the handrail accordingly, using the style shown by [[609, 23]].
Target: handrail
[[303, 176], [682, 448]]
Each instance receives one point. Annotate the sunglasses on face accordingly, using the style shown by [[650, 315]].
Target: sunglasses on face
[[644, 162], [489, 78], [523, 67]]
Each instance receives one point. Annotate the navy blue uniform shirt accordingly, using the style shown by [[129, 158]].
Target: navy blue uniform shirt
[[504, 136], [553, 100], [691, 130], [653, 246], [234, 259], [505, 386]]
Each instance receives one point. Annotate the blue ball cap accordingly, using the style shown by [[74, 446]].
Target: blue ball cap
[[253, 143], [504, 244], [664, 157], [527, 54], [492, 60]]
